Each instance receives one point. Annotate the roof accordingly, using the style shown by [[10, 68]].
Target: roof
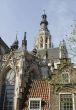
[[4, 45], [40, 89], [52, 53]]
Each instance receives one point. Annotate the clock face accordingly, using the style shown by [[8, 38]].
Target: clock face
[[10, 78]]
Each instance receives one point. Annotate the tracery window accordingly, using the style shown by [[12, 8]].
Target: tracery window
[[41, 42], [9, 90]]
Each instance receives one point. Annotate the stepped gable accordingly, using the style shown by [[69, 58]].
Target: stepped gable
[[40, 89]]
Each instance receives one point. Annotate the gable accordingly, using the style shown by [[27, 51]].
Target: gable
[[3, 47]]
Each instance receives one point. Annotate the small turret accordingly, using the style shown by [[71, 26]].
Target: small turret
[[15, 44], [44, 22], [24, 42], [63, 49]]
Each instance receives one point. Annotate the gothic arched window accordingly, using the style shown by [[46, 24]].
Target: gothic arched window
[[41, 42], [46, 41], [9, 86]]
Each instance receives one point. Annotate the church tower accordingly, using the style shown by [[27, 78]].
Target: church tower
[[43, 40]]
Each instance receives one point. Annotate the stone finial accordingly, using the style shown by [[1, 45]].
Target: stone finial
[[44, 19], [24, 42], [63, 49]]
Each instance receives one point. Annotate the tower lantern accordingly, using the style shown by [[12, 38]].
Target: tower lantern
[[43, 40]]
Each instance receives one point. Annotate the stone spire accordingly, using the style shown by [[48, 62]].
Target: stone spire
[[24, 42], [63, 49], [43, 40], [15, 44]]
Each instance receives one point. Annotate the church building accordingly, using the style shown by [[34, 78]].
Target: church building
[[43, 79]]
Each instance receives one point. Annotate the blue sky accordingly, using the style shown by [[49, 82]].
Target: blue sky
[[19, 16]]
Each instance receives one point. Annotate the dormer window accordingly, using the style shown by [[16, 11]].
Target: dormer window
[[65, 77]]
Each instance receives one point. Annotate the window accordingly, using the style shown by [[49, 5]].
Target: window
[[9, 90], [65, 77], [66, 102], [35, 104]]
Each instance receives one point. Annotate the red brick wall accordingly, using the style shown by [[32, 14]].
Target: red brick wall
[[40, 89]]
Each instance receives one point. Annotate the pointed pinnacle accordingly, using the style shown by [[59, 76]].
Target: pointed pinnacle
[[16, 37], [24, 35]]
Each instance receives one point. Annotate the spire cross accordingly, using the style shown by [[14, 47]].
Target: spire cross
[[44, 11]]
